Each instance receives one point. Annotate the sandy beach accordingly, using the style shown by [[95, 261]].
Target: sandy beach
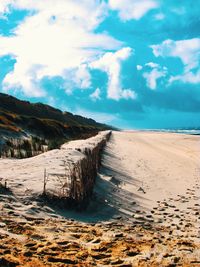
[[145, 210], [151, 166]]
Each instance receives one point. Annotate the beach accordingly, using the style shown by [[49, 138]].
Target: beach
[[153, 166], [145, 208]]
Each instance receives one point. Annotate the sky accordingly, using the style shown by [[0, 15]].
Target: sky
[[129, 63]]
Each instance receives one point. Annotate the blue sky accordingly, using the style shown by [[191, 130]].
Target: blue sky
[[129, 63]]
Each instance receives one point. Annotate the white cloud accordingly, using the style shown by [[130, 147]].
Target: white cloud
[[57, 39], [187, 77], [76, 78], [156, 73], [132, 9], [96, 95], [4, 6], [152, 78], [152, 65], [128, 94], [83, 77], [189, 53], [88, 13], [24, 76], [110, 63], [139, 67], [187, 50]]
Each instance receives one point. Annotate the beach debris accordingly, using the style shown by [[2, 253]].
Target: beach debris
[[3, 183], [141, 190]]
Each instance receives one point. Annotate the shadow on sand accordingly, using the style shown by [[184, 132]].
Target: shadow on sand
[[110, 199]]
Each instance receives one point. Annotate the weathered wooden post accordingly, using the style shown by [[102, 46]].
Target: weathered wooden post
[[45, 182]]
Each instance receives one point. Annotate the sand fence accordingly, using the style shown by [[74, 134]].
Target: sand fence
[[80, 164]]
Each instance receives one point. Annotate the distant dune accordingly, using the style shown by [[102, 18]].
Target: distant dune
[[41, 126]]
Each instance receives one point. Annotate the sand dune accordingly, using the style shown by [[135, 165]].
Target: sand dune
[[138, 169], [145, 210]]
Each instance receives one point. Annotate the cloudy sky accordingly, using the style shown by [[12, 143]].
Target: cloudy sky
[[130, 63]]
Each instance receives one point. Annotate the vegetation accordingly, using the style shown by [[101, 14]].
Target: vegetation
[[28, 129], [23, 148]]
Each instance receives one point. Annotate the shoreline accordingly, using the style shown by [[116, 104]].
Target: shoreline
[[187, 132]]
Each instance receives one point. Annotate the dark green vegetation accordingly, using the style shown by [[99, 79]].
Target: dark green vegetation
[[27, 129]]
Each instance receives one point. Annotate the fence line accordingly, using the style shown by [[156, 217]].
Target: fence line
[[77, 181]]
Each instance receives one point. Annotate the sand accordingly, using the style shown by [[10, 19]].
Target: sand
[[25, 176], [145, 210], [150, 166]]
